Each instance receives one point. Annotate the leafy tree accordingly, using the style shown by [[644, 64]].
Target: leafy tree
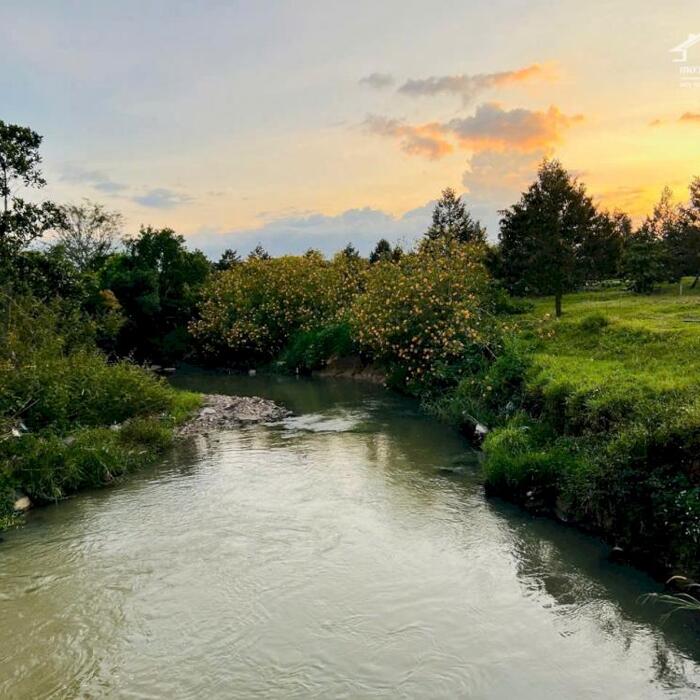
[[541, 235], [259, 253], [228, 259], [21, 221], [643, 260], [451, 220], [157, 283], [88, 233]]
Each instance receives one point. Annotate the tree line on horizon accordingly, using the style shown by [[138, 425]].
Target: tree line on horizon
[[142, 291]]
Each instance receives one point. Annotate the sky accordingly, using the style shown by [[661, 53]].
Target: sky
[[308, 123]]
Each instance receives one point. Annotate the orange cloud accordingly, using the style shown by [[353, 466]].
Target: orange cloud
[[689, 117], [493, 128], [490, 128], [469, 86], [422, 140]]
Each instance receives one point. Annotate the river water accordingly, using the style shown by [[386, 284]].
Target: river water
[[346, 552]]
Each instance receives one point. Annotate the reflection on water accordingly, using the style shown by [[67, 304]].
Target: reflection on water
[[329, 555]]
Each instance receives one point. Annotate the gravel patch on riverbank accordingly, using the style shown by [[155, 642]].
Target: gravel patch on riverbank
[[220, 412]]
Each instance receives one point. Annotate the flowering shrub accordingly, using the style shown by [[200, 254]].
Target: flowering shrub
[[428, 312], [250, 311]]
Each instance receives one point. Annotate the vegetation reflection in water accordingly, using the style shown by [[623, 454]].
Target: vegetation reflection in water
[[347, 552]]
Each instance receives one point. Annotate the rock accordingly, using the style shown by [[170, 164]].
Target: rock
[[225, 412], [252, 372], [480, 431], [22, 504]]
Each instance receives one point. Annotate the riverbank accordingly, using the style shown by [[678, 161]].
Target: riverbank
[[596, 421]]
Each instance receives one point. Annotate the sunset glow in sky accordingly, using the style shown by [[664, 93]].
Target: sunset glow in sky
[[315, 123]]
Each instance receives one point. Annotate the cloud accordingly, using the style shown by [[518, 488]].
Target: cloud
[[490, 128], [494, 128], [98, 180], [161, 198], [689, 117], [468, 87], [378, 81], [362, 227], [423, 140]]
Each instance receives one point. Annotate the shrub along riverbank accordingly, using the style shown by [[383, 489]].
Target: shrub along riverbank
[[68, 418]]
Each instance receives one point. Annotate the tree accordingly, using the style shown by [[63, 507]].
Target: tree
[[643, 261], [259, 253], [228, 259], [88, 233], [683, 240], [157, 283], [350, 252], [451, 220], [382, 251], [542, 234], [602, 244], [21, 221]]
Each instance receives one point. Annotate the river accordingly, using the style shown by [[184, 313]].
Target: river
[[346, 552]]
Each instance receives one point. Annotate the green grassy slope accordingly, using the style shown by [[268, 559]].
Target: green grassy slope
[[608, 427]]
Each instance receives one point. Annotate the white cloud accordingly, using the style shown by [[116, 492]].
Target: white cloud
[[329, 234]]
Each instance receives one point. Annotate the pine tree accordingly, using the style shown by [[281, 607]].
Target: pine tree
[[382, 251], [229, 258], [259, 253], [542, 235], [451, 220]]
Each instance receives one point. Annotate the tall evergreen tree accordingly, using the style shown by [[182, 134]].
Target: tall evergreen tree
[[259, 253], [229, 258], [383, 251], [452, 220], [542, 235], [644, 262], [683, 242]]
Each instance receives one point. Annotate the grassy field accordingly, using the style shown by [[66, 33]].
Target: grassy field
[[606, 425]]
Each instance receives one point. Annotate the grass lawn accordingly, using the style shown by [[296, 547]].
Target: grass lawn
[[649, 344]]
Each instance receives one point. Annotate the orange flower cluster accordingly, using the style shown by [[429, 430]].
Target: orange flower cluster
[[426, 310]]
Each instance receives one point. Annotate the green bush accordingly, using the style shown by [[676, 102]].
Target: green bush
[[309, 350], [518, 459], [68, 418], [252, 310]]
